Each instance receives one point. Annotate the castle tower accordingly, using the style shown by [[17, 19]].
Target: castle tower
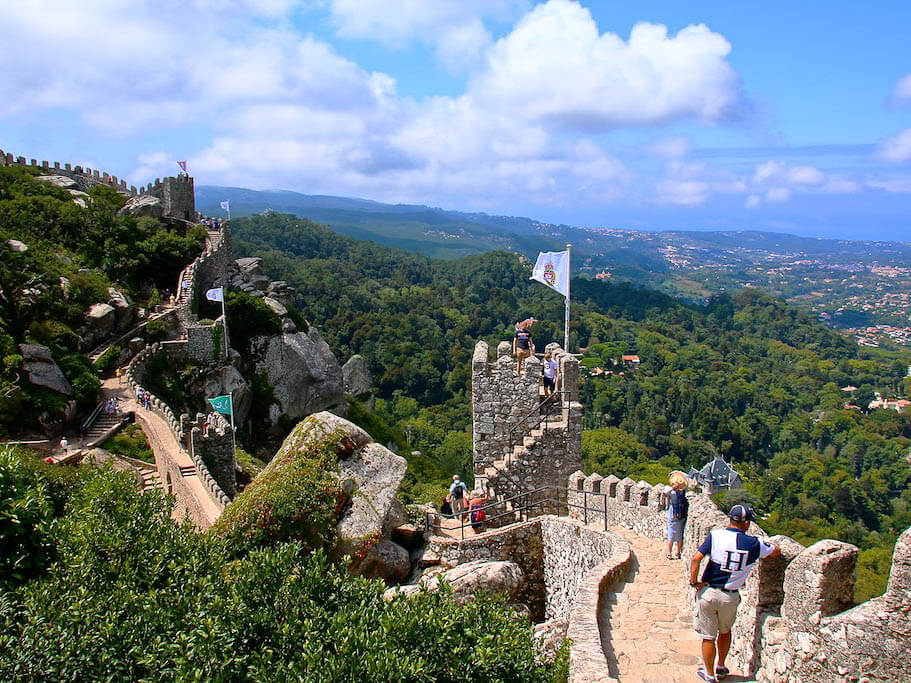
[[520, 441]]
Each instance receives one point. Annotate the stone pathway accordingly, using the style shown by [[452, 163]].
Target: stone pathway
[[646, 628]]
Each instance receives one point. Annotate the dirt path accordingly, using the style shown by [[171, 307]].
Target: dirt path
[[646, 628]]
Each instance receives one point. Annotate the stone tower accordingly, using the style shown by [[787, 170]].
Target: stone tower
[[521, 442]]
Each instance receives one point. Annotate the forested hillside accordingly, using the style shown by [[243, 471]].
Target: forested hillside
[[746, 376]]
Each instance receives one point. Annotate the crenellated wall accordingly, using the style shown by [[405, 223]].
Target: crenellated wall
[[795, 622], [177, 194], [173, 466], [213, 443]]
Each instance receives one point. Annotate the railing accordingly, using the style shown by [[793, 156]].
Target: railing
[[90, 420], [560, 499], [548, 404]]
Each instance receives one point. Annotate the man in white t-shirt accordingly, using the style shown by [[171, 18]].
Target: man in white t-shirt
[[550, 375], [732, 554]]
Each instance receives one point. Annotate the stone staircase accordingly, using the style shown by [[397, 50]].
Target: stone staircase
[[150, 480], [101, 426]]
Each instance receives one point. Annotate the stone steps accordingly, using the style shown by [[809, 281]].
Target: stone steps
[[150, 480]]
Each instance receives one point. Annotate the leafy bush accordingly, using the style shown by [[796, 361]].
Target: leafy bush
[[249, 317], [32, 495], [130, 441], [136, 596], [106, 360], [294, 498], [156, 330]]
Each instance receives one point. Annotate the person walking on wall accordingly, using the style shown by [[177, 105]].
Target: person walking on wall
[[677, 509], [732, 555], [550, 375], [522, 344], [457, 493]]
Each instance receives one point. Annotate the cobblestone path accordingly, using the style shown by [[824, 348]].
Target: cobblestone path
[[646, 626]]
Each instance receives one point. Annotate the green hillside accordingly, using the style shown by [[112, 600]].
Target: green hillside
[[747, 376]]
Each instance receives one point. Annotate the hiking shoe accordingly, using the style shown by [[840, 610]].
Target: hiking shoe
[[721, 672], [703, 674]]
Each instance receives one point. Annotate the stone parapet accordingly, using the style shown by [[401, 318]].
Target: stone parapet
[[795, 622], [211, 439]]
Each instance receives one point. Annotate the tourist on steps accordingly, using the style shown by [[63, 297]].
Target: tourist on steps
[[457, 493], [522, 344], [732, 554], [550, 375], [476, 513], [677, 509]]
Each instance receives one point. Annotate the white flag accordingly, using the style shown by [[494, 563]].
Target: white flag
[[226, 205], [552, 268], [217, 294]]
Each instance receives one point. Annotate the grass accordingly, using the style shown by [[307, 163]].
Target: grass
[[132, 443]]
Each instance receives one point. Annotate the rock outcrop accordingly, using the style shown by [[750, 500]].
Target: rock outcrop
[[469, 579], [42, 370], [304, 374], [143, 206], [99, 323], [356, 376]]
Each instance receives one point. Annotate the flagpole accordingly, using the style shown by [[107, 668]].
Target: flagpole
[[566, 319], [233, 431], [224, 322]]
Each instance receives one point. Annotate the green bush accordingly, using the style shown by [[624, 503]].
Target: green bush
[[294, 498], [106, 360], [32, 495], [249, 317], [130, 441], [137, 596], [156, 330]]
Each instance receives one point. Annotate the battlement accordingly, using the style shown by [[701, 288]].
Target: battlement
[[211, 440], [176, 193], [796, 621]]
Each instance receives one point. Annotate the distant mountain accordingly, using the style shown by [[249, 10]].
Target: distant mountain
[[826, 276]]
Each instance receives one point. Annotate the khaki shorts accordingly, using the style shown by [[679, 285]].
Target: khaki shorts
[[523, 353], [716, 611]]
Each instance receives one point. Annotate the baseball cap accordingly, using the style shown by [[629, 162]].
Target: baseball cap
[[741, 513]]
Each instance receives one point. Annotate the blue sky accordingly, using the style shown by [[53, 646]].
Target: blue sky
[[783, 116]]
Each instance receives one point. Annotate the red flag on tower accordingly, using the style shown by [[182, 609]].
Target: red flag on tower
[[183, 165]]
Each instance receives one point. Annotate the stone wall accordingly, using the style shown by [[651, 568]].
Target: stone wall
[[795, 622], [169, 470], [610, 501], [214, 445], [554, 552], [502, 404], [177, 194]]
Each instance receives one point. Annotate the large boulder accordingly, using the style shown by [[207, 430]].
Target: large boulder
[[304, 375], [142, 206], [356, 376], [249, 266], [469, 579], [277, 307], [42, 370], [124, 311], [377, 474], [282, 292], [385, 560], [59, 180], [327, 476], [226, 379], [100, 320]]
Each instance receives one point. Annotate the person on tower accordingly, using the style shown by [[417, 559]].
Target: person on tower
[[523, 345]]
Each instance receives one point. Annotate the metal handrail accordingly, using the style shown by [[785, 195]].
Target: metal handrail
[[92, 417]]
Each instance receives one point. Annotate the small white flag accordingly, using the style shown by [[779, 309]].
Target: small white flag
[[226, 205], [552, 269], [217, 294]]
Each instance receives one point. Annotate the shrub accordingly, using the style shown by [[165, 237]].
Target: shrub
[[156, 330], [249, 317], [294, 498], [106, 360], [137, 596], [131, 442]]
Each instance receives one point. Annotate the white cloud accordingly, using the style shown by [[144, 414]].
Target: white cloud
[[555, 66], [902, 91], [455, 28], [778, 194], [681, 192], [896, 148], [753, 201], [893, 185], [805, 175]]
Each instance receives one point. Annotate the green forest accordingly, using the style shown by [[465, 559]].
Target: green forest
[[745, 376]]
